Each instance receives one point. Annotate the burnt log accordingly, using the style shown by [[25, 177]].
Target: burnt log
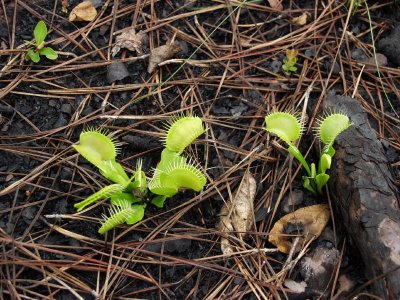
[[366, 199]]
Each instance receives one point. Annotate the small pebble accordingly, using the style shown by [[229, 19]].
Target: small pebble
[[358, 54], [309, 53], [116, 71], [66, 108], [276, 66]]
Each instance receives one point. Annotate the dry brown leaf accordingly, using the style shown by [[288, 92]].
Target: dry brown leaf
[[238, 214], [311, 220], [130, 40], [276, 4], [300, 20], [162, 53], [84, 11]]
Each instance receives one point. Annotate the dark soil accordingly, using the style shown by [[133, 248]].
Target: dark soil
[[48, 251]]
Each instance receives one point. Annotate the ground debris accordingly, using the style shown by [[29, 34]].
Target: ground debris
[[346, 285], [116, 71], [317, 268], [294, 286], [162, 53], [309, 221], [238, 214], [276, 4], [84, 11], [365, 197], [130, 40], [300, 20]]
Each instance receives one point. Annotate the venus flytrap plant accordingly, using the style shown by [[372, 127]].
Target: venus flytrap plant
[[289, 127], [130, 196], [174, 171]]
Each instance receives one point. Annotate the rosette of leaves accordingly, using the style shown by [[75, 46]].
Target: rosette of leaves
[[289, 62], [289, 127], [39, 46], [127, 194], [130, 195]]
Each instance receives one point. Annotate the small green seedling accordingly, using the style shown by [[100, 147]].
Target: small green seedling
[[288, 127], [289, 63], [39, 49], [130, 195]]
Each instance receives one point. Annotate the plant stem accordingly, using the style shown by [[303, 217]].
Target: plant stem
[[296, 153]]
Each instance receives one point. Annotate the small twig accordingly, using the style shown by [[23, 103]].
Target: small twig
[[71, 290], [67, 54], [192, 62]]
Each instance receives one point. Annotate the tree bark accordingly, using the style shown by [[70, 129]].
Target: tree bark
[[366, 199]]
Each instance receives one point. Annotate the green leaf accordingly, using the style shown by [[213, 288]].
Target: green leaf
[[329, 150], [121, 198], [331, 126], [34, 56], [287, 126], [167, 188], [168, 157], [100, 150], [183, 175], [139, 180], [307, 183], [159, 200], [95, 146], [40, 32], [292, 61], [113, 171], [321, 180], [136, 214], [104, 193], [49, 53], [119, 215], [313, 171], [297, 154], [324, 163], [182, 131]]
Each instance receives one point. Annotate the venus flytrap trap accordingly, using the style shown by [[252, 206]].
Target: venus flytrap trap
[[289, 127], [39, 49], [130, 195]]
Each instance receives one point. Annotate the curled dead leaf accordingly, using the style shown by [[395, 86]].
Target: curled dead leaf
[[162, 53], [130, 40], [300, 20], [291, 53], [84, 11], [308, 221], [238, 214]]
